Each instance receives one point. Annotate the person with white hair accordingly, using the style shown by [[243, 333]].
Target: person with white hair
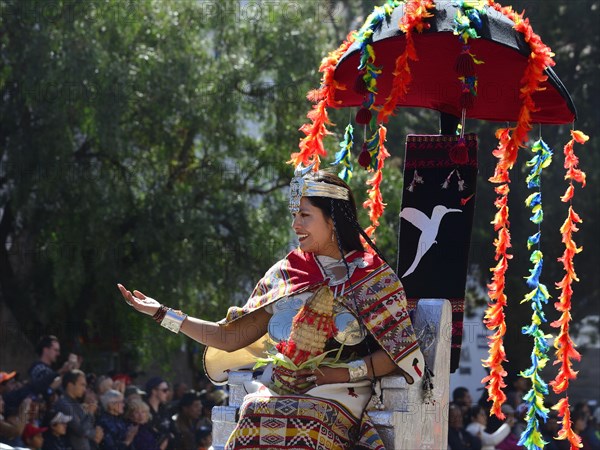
[[138, 414], [117, 434]]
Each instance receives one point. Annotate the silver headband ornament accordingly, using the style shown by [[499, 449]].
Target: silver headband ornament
[[304, 185]]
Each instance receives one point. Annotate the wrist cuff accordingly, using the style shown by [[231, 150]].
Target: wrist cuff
[[358, 370], [173, 320]]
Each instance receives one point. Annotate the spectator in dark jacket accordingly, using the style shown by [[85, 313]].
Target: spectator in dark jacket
[[186, 422], [458, 438], [157, 391], [118, 435], [461, 397], [43, 378], [55, 436], [81, 432]]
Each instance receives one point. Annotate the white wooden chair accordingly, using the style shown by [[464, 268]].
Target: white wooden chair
[[407, 422]]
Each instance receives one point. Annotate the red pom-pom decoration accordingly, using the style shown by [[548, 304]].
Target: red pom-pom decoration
[[459, 154], [364, 159], [465, 66], [363, 116], [360, 87]]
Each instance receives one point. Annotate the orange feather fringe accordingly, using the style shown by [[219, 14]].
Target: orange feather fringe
[[567, 432], [375, 203], [510, 140], [415, 13], [565, 348], [494, 318], [311, 146]]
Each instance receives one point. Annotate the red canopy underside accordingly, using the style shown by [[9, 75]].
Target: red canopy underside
[[435, 83]]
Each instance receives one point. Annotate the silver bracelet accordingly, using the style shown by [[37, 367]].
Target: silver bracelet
[[357, 370], [173, 320]]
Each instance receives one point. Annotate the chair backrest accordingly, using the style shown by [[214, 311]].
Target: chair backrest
[[410, 421]]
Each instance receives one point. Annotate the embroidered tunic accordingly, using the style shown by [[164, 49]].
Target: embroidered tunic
[[327, 416]]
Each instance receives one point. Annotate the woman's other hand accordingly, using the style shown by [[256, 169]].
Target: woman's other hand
[[139, 301], [164, 444], [510, 420], [307, 379]]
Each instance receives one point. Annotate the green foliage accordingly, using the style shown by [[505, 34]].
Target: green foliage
[[144, 142]]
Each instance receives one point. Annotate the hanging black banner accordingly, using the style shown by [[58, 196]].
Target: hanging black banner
[[436, 219]]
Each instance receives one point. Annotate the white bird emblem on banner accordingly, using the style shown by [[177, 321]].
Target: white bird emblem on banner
[[429, 229]]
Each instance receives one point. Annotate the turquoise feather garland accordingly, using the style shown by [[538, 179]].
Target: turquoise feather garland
[[364, 38], [343, 156], [531, 438], [373, 148], [468, 24]]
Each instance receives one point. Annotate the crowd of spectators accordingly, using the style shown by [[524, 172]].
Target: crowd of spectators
[[68, 409], [470, 426]]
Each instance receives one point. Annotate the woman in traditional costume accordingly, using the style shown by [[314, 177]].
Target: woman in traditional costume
[[328, 320]]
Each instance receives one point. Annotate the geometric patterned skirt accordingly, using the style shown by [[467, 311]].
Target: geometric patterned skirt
[[298, 422]]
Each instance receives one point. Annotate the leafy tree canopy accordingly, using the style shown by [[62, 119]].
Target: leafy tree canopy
[[145, 142]]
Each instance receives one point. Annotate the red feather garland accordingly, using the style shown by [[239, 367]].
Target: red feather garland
[[494, 315], [375, 203], [510, 140], [311, 146], [415, 13], [565, 348], [566, 431]]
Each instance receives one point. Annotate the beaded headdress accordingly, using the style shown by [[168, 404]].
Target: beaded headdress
[[304, 185]]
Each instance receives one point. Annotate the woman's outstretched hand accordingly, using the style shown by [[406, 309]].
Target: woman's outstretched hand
[[139, 301]]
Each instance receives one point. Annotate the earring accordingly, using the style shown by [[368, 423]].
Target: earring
[[332, 236]]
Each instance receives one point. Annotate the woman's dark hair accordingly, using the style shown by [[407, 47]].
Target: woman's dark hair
[[348, 235], [344, 215], [474, 412], [348, 231]]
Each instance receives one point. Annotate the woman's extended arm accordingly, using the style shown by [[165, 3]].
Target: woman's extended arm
[[233, 336]]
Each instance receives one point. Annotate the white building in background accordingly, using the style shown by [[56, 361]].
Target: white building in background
[[585, 334], [474, 348]]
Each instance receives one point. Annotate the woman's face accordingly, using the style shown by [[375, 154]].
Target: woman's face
[[579, 424], [139, 416], [116, 407], [482, 417], [314, 230]]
